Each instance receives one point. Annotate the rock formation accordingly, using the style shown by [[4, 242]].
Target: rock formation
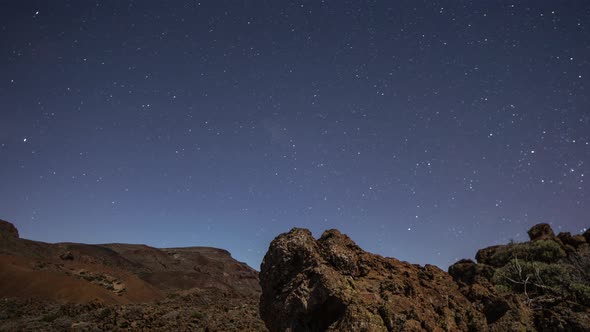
[[7, 229], [541, 232], [330, 284], [541, 285]]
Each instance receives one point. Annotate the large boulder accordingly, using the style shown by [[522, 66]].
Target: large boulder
[[463, 270], [8, 230], [541, 232], [574, 241], [331, 284]]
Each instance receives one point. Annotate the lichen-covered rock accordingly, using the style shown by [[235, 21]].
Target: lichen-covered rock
[[331, 284]]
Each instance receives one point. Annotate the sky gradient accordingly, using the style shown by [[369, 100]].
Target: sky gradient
[[424, 130]]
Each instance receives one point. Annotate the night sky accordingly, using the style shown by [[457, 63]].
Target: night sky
[[424, 130]]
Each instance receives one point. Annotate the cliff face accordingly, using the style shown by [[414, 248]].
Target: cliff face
[[330, 284]]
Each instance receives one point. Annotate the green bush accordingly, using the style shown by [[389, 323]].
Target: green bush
[[503, 289], [547, 251], [197, 315], [104, 313], [581, 292], [541, 276], [50, 317]]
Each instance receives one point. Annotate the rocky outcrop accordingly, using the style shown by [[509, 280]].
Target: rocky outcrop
[[67, 256], [541, 232], [331, 284], [8, 230], [541, 285]]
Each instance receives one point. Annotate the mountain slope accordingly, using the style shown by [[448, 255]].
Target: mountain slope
[[116, 286]]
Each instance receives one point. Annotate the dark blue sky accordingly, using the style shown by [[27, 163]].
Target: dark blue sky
[[424, 130]]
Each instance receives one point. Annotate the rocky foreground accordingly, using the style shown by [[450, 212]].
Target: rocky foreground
[[331, 284], [328, 284]]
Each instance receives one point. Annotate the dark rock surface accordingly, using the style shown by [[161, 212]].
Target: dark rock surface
[[7, 229], [541, 232]]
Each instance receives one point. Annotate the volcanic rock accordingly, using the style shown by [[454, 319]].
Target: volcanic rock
[[567, 239], [541, 232], [8, 230], [541, 285], [67, 256], [331, 284]]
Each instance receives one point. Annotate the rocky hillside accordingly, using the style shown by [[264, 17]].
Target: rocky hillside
[[122, 286], [305, 284], [331, 284]]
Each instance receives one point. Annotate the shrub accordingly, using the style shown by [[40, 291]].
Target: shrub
[[197, 315], [50, 317], [536, 276], [581, 293], [104, 313], [547, 251]]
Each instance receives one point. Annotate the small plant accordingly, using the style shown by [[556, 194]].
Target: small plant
[[104, 313], [50, 317], [197, 315], [581, 293]]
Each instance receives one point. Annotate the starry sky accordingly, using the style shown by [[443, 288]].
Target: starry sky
[[423, 129]]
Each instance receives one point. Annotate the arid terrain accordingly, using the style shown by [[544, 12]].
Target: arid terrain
[[80, 287], [305, 284]]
